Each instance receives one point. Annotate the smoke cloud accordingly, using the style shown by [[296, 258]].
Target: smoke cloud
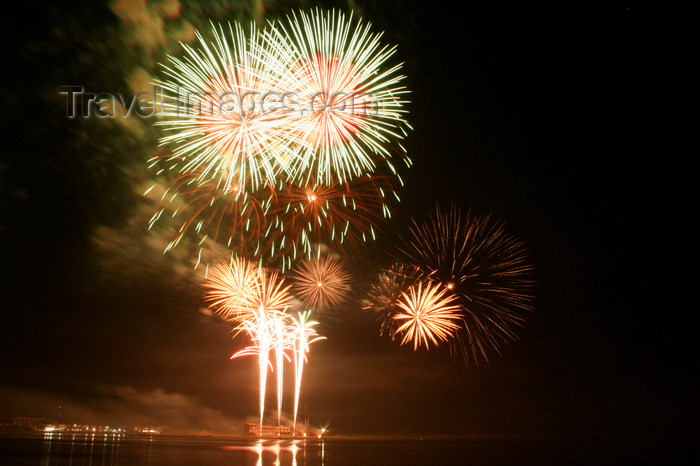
[[123, 406]]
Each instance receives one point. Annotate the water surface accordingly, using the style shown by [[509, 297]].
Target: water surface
[[88, 449]]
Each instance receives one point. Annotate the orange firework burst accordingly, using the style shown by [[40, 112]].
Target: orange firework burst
[[427, 316], [321, 283], [485, 267], [302, 218], [271, 292], [277, 224], [240, 290], [232, 289]]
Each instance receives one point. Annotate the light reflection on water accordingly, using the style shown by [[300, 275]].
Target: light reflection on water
[[74, 449], [282, 452], [80, 448], [117, 449]]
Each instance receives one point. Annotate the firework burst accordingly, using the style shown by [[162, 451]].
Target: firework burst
[[351, 106], [214, 114], [239, 290], [231, 289], [210, 211], [384, 294], [427, 314], [271, 293], [277, 225], [341, 215], [282, 137], [485, 267], [321, 283], [307, 99]]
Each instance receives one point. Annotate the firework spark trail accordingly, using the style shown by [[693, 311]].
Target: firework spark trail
[[353, 108], [303, 335], [321, 283], [213, 211], [257, 300], [485, 267], [271, 293], [281, 342], [259, 331], [269, 332]]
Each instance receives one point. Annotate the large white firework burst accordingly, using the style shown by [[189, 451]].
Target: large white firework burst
[[350, 103], [214, 115]]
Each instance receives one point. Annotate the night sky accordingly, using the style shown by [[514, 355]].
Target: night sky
[[549, 119]]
